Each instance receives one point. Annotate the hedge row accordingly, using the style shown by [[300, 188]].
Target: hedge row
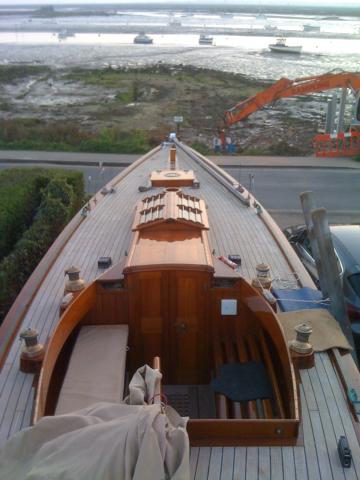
[[61, 195], [19, 199]]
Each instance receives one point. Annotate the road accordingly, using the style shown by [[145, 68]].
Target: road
[[278, 189]]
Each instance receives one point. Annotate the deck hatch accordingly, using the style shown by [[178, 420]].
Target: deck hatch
[[171, 206]]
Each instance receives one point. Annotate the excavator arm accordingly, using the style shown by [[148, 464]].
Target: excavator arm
[[284, 88]]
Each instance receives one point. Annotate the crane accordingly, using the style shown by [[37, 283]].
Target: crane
[[326, 145], [284, 88]]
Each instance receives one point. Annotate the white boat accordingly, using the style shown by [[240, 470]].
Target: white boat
[[205, 40], [281, 47], [65, 34], [174, 22], [142, 38], [270, 27], [308, 27]]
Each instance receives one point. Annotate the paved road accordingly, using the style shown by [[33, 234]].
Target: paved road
[[276, 187], [278, 190]]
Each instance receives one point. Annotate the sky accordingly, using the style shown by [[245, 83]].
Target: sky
[[339, 3]]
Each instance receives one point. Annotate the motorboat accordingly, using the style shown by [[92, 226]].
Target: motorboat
[[281, 46], [142, 38], [308, 27], [206, 40], [65, 34]]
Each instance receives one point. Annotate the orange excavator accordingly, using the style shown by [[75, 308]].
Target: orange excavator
[[284, 88]]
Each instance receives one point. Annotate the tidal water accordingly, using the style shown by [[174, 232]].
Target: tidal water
[[248, 55]]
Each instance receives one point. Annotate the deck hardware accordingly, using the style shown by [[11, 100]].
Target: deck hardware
[[32, 352], [85, 210], [105, 190], [344, 452], [235, 258], [354, 399], [258, 208], [181, 326], [74, 282], [143, 188], [228, 262], [263, 275], [301, 343], [65, 302], [279, 431], [104, 262]]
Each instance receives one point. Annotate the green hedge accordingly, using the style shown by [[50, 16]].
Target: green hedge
[[61, 195], [19, 199]]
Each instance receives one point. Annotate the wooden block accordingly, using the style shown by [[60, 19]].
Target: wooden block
[[31, 365], [303, 361]]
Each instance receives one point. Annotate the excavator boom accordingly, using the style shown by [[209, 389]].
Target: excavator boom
[[284, 88]]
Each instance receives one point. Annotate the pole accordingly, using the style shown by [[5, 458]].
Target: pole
[[330, 116], [340, 125], [308, 204], [331, 270]]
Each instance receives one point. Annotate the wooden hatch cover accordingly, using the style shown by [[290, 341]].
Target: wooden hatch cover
[[170, 230]]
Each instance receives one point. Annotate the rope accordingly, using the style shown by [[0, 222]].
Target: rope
[[163, 399], [325, 300]]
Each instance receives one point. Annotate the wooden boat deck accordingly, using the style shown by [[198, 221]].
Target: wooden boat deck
[[236, 229]]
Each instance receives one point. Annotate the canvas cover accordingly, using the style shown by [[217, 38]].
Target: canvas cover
[[105, 441], [326, 333]]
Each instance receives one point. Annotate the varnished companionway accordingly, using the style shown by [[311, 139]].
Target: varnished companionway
[[236, 229]]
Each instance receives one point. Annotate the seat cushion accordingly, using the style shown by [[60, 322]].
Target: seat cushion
[[96, 371]]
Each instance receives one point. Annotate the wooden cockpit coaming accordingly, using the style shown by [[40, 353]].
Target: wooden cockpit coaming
[[176, 315], [69, 321]]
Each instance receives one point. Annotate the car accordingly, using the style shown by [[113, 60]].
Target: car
[[346, 240]]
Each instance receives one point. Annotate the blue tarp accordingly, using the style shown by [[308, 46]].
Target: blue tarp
[[301, 299]]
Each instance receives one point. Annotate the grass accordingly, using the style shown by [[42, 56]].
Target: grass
[[32, 134], [124, 110]]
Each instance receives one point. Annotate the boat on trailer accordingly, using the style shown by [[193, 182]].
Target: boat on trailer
[[180, 266]]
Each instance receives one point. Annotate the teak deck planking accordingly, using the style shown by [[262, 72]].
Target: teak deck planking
[[234, 228]]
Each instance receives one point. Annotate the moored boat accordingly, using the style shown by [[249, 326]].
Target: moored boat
[[142, 38], [205, 40], [281, 46], [308, 27], [65, 34]]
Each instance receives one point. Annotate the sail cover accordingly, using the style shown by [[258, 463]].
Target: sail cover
[[106, 440]]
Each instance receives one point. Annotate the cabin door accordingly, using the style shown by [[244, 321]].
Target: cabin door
[[168, 312], [188, 329]]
